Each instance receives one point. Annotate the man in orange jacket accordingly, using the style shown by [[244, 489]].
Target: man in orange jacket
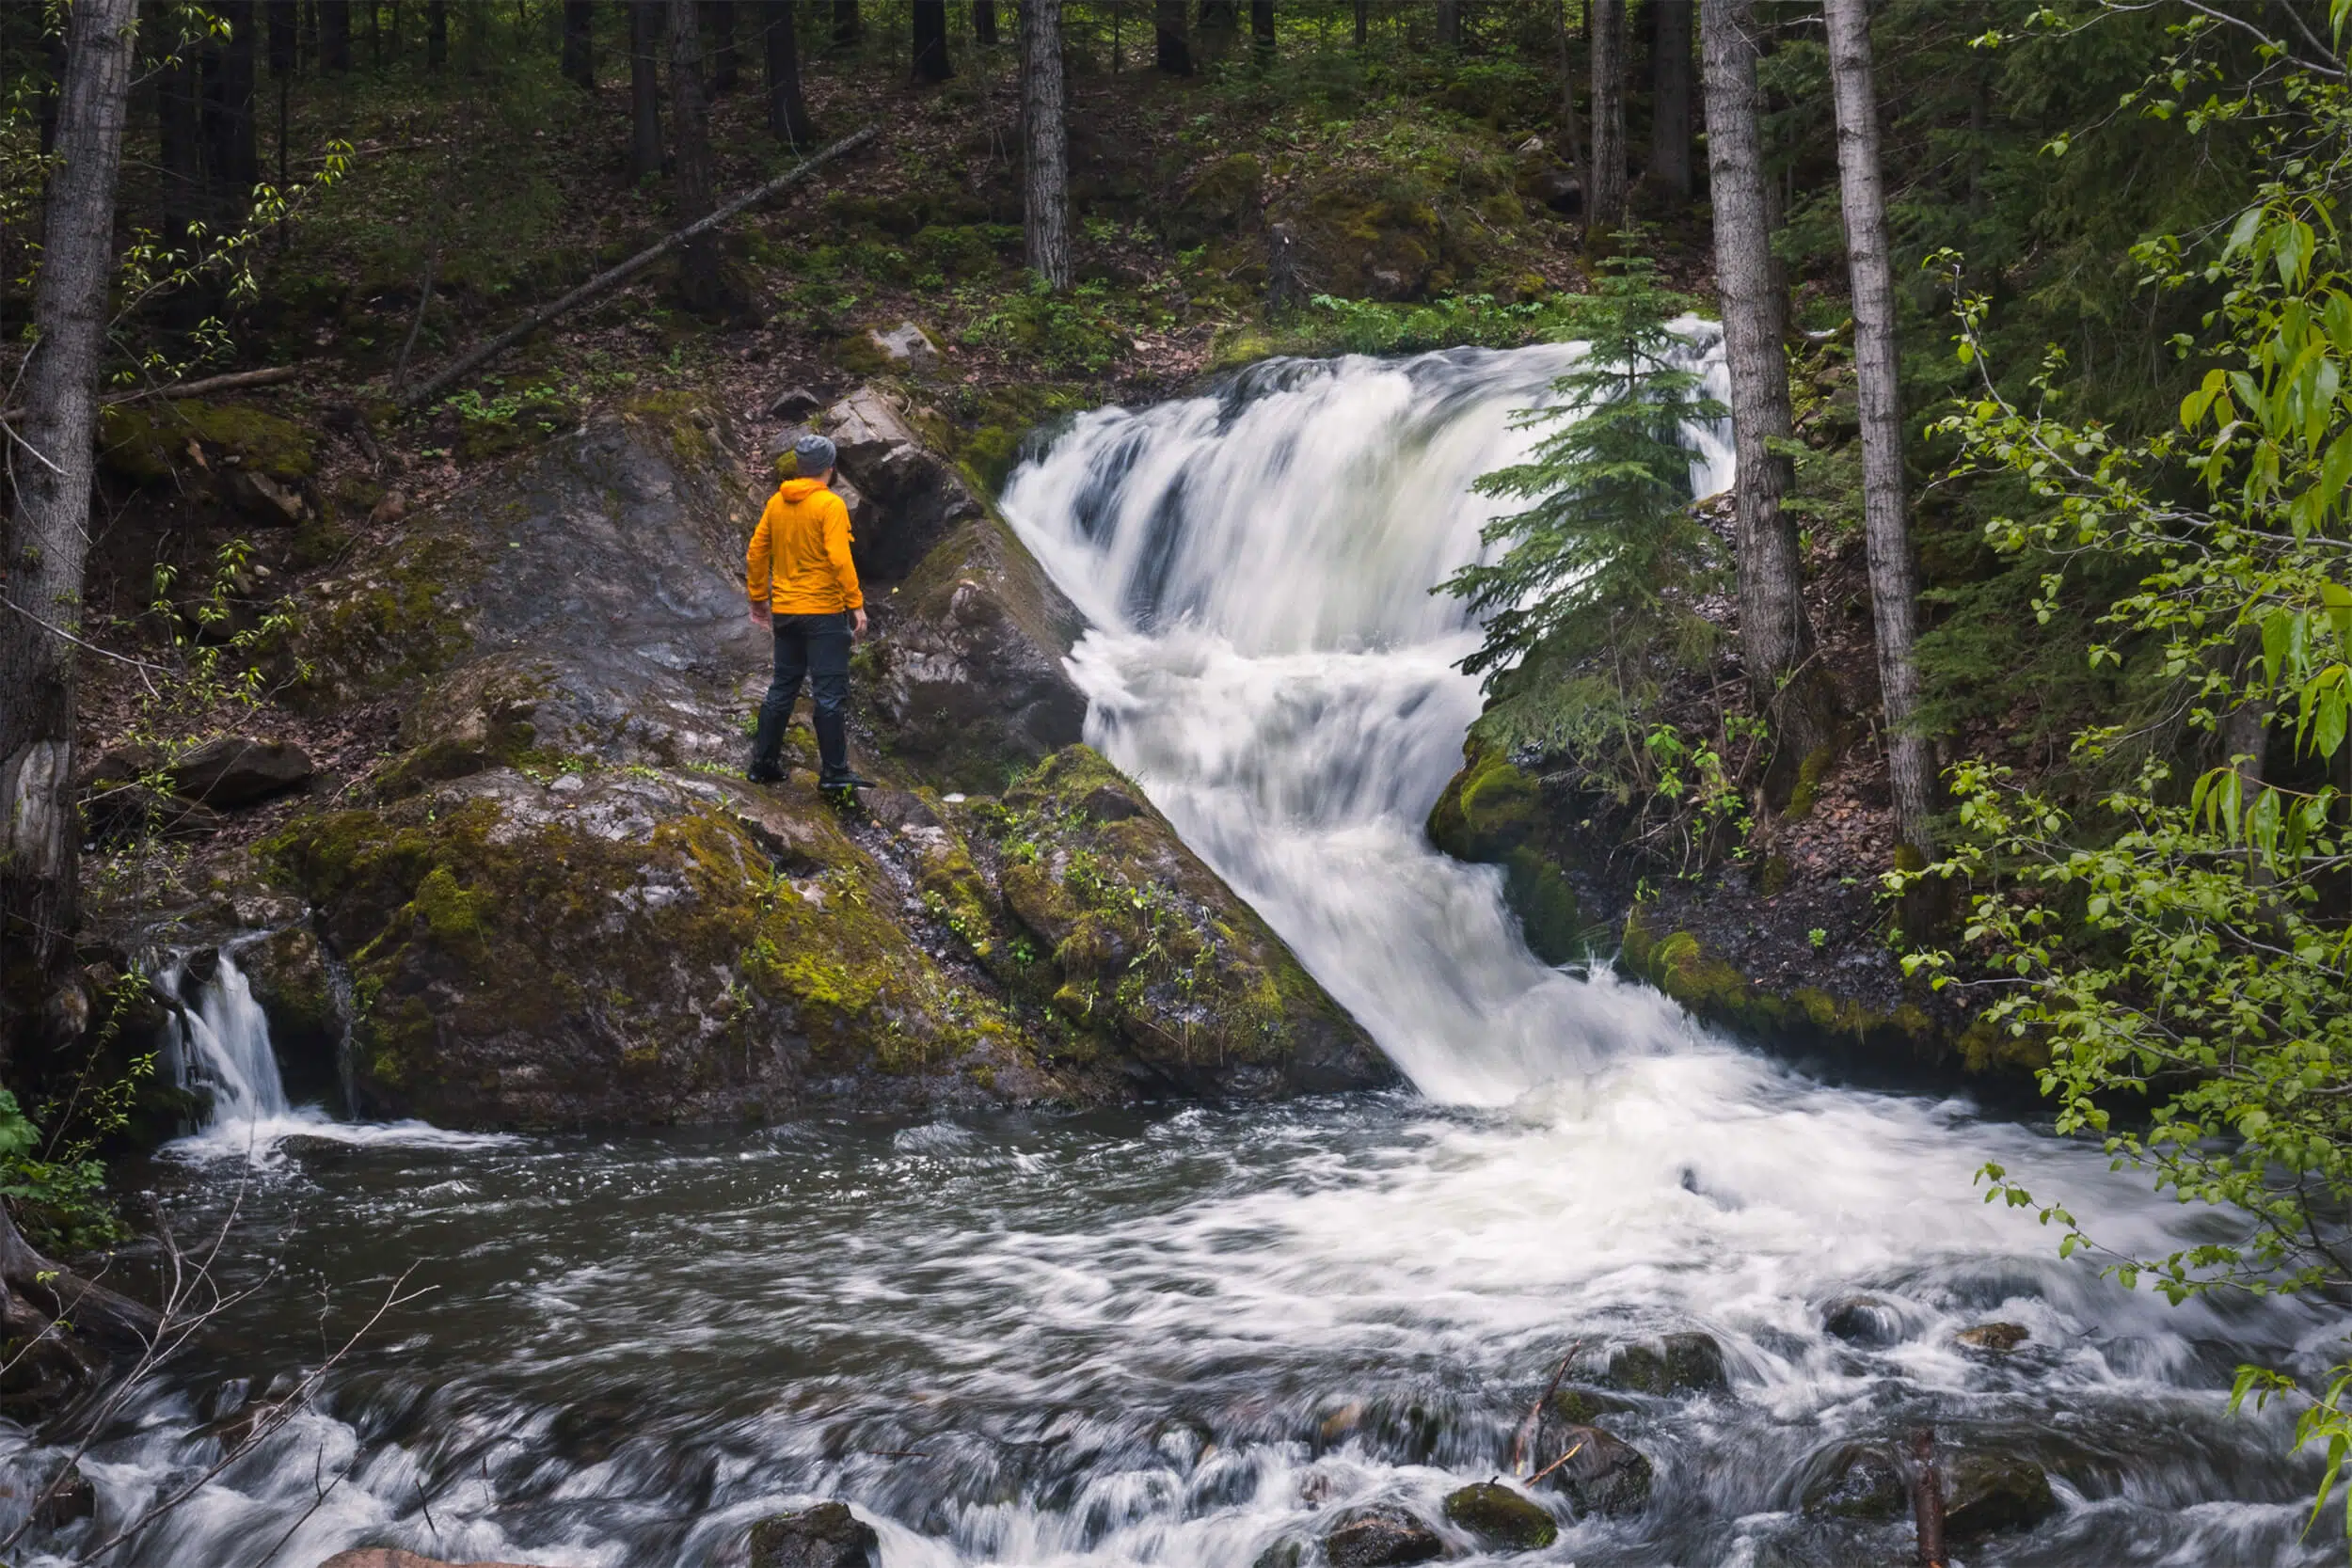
[[802, 584]]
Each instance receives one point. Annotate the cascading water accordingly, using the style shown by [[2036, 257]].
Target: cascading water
[[221, 1044], [1193, 1340]]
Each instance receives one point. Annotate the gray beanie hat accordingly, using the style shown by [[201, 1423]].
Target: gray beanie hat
[[812, 454]]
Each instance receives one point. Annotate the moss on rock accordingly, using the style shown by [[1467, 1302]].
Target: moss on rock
[[148, 442]]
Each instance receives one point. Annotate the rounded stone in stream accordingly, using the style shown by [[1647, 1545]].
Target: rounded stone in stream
[[1995, 1339], [826, 1536], [1985, 1492], [1679, 1363], [1858, 1483], [1864, 1321], [1378, 1536], [1500, 1518], [1600, 1474]]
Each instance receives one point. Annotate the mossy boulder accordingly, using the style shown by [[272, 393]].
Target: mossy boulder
[[1600, 1473], [1986, 1493], [1500, 1518], [148, 443], [1492, 811], [1379, 1536], [1223, 200], [1137, 945], [1687, 1363]]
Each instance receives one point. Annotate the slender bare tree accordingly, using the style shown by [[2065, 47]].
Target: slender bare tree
[[1605, 181], [1046, 152], [1670, 97], [1886, 526], [49, 469], [1775, 637], [788, 111]]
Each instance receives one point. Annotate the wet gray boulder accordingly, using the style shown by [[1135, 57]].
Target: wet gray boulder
[[909, 498], [825, 1536], [237, 771], [1600, 1473], [1500, 1518], [1379, 1536], [1687, 1363], [1992, 1338], [1856, 1481], [1988, 1492], [1863, 1320]]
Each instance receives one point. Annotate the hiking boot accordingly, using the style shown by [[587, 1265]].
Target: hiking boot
[[765, 772], [767, 764], [845, 781]]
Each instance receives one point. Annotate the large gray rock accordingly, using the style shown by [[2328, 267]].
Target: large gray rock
[[826, 1536], [911, 496], [237, 771], [1379, 1537], [1986, 1493], [1855, 1481], [1601, 1473]]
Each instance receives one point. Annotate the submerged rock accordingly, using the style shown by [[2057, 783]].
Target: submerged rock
[[1862, 1320], [825, 1536], [1689, 1363], [1500, 1518], [1993, 1338], [1986, 1493], [1857, 1481], [1602, 1474], [1379, 1537]]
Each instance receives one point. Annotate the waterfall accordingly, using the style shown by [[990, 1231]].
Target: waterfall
[[1267, 659], [223, 1045]]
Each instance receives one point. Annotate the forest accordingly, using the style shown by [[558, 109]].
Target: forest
[[1593, 805]]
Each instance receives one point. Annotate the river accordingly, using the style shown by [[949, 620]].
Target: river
[[1185, 1337]]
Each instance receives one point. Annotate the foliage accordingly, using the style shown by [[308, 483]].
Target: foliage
[[2187, 956], [1592, 594]]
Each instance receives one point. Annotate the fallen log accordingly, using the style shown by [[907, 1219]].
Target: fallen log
[[1926, 1499], [234, 381], [605, 282]]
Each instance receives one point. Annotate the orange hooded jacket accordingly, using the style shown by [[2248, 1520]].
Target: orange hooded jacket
[[800, 556]]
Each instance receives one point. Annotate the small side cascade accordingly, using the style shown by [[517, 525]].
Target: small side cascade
[[220, 1043]]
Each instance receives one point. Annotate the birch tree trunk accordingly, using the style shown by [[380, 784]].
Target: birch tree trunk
[[645, 88], [1886, 521], [50, 468], [1045, 150], [1604, 185], [1670, 97], [788, 110], [1775, 636]]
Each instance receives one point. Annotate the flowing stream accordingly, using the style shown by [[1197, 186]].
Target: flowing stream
[[1189, 1337]]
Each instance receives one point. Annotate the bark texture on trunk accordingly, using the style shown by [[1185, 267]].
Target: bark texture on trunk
[[49, 540], [1670, 97], [1894, 593], [1045, 153], [1605, 182], [1450, 23], [788, 111], [579, 61], [984, 21], [928, 19], [645, 88], [436, 34], [1363, 23], [1775, 636], [1174, 52], [701, 284], [1571, 133]]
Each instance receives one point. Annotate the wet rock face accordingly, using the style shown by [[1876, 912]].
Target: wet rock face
[[909, 498], [1857, 1481], [1988, 1492], [1602, 1474], [1379, 1537], [1677, 1364], [826, 1536], [1500, 1518], [1864, 1321]]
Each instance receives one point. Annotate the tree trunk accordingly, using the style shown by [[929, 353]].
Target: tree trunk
[[1363, 23], [334, 37], [930, 25], [788, 111], [281, 38], [579, 63], [1885, 525], [701, 280], [645, 88], [1670, 97], [229, 149], [1776, 635], [1262, 25], [1175, 50], [50, 540], [1571, 132], [436, 34], [1046, 152], [846, 27], [1450, 23], [1604, 185], [984, 21], [727, 64]]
